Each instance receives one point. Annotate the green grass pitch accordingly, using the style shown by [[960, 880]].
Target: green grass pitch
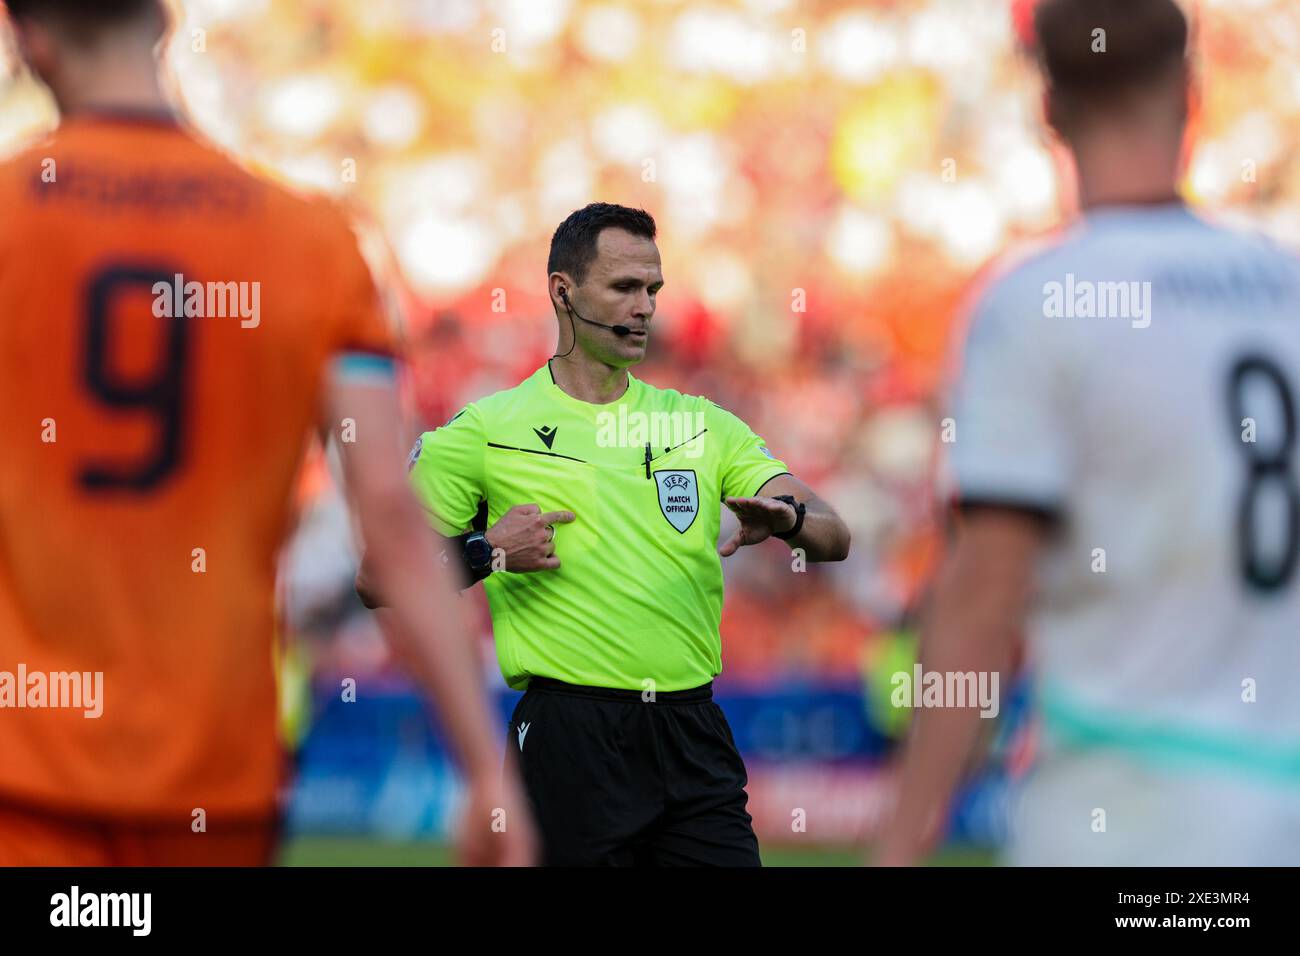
[[367, 851]]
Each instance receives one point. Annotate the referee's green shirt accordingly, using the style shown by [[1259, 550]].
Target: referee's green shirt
[[638, 594]]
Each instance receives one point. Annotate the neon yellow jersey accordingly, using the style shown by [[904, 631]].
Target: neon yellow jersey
[[638, 594]]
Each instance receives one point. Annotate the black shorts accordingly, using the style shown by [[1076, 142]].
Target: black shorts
[[618, 781]]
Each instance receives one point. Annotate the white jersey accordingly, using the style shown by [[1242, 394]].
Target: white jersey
[[1140, 381]]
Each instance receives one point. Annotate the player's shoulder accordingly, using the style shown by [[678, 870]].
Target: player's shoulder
[[1004, 298], [1116, 243], [1111, 240], [39, 144], [1018, 276], [316, 214], [23, 156], [1014, 289], [25, 169], [306, 216], [1247, 239], [160, 147], [22, 164]]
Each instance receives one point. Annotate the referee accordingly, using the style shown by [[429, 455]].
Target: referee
[[603, 495]]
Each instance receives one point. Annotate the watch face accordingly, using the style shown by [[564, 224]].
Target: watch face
[[478, 551]]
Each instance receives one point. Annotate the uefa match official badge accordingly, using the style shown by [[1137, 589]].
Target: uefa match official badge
[[679, 497]]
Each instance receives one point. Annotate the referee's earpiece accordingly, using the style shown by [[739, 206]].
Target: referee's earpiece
[[564, 295]]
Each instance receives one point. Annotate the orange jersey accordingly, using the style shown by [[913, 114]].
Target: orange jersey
[[151, 427]]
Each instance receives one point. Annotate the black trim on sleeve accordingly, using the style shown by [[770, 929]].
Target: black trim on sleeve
[[766, 480]]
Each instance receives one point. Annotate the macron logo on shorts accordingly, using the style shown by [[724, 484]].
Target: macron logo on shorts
[[523, 732]]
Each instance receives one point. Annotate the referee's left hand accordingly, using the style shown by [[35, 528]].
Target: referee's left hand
[[759, 517]]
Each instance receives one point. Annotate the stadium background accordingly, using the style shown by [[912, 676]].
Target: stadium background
[[829, 178]]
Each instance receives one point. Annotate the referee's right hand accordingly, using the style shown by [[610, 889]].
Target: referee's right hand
[[527, 538]]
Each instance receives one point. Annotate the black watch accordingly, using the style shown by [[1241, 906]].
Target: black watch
[[478, 555], [799, 510]]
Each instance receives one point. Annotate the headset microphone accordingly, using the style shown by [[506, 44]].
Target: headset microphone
[[619, 330]]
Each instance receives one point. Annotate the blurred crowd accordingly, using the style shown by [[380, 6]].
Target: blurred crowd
[[829, 179]]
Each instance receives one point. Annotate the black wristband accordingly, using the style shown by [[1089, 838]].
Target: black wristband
[[799, 510]]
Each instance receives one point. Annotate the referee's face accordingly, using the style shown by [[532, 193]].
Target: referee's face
[[620, 289]]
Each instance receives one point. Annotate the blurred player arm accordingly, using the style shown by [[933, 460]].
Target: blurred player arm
[[374, 597], [1010, 472], [431, 635], [974, 619], [425, 625]]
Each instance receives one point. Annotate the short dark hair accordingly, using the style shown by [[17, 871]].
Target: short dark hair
[[94, 12], [573, 247], [1145, 40]]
